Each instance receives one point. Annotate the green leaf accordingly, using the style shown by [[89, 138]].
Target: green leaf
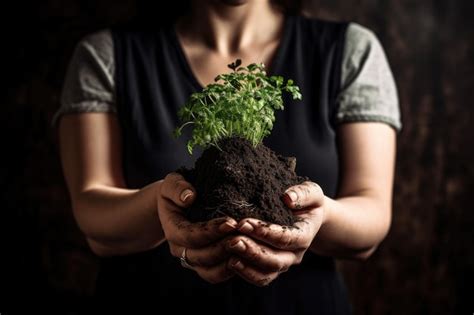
[[235, 64], [240, 103]]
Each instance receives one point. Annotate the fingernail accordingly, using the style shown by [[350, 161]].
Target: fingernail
[[186, 194], [238, 265], [292, 194], [227, 227], [246, 228], [240, 246]]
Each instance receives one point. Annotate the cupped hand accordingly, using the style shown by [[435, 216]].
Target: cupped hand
[[205, 242], [262, 251]]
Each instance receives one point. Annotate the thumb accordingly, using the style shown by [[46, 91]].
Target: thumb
[[178, 190], [187, 197]]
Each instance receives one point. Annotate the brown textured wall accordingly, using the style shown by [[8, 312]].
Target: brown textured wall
[[425, 265]]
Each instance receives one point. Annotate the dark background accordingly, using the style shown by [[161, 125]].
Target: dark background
[[425, 266]]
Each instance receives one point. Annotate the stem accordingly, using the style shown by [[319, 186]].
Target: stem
[[217, 146], [183, 125]]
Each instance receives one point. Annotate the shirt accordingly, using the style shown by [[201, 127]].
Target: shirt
[[368, 90]]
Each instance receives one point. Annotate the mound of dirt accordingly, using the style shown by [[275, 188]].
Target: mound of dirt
[[241, 181]]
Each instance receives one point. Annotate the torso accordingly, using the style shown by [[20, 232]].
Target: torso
[[153, 82]]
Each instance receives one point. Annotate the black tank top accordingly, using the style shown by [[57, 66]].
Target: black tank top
[[153, 80]]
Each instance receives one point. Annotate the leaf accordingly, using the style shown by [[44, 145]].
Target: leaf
[[240, 103], [235, 64], [252, 67], [190, 147]]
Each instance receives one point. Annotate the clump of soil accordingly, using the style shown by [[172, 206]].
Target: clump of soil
[[241, 181]]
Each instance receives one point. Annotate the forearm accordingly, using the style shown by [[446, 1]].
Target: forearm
[[353, 227], [119, 221]]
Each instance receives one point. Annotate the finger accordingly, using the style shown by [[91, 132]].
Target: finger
[[203, 257], [250, 273], [261, 256], [296, 237], [216, 274], [182, 232], [196, 235], [178, 190], [304, 195]]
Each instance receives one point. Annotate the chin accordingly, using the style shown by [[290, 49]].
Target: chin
[[233, 2]]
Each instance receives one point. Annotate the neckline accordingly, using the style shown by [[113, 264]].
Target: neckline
[[272, 70]]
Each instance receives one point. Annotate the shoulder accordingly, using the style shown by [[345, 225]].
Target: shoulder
[[357, 37], [363, 53], [100, 37], [89, 82], [98, 44], [316, 23], [359, 33], [139, 30], [368, 89], [360, 40], [93, 61], [324, 30]]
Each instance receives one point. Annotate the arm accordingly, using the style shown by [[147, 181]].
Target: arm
[[350, 226], [353, 224], [114, 219], [120, 221], [359, 218]]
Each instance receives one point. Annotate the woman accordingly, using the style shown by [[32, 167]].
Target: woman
[[122, 91]]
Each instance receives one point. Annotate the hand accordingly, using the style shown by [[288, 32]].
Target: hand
[[204, 242], [266, 250]]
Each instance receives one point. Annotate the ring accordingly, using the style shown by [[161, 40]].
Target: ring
[[184, 261]]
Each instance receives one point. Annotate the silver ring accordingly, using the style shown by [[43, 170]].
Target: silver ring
[[184, 261]]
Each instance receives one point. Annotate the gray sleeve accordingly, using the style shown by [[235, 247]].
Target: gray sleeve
[[89, 82], [368, 90]]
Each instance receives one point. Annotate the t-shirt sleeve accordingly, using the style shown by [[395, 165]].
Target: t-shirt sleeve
[[89, 81], [368, 90]]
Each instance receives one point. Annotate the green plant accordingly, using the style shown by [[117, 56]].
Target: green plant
[[240, 103]]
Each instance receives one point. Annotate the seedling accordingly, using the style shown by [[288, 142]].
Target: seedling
[[238, 104]]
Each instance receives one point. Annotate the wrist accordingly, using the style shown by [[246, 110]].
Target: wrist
[[157, 188], [156, 213], [326, 211]]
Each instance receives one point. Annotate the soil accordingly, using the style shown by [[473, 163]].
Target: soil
[[241, 181]]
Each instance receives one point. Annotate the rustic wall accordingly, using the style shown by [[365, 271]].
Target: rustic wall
[[426, 264]]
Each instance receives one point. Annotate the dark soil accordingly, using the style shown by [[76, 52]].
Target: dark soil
[[241, 181]]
